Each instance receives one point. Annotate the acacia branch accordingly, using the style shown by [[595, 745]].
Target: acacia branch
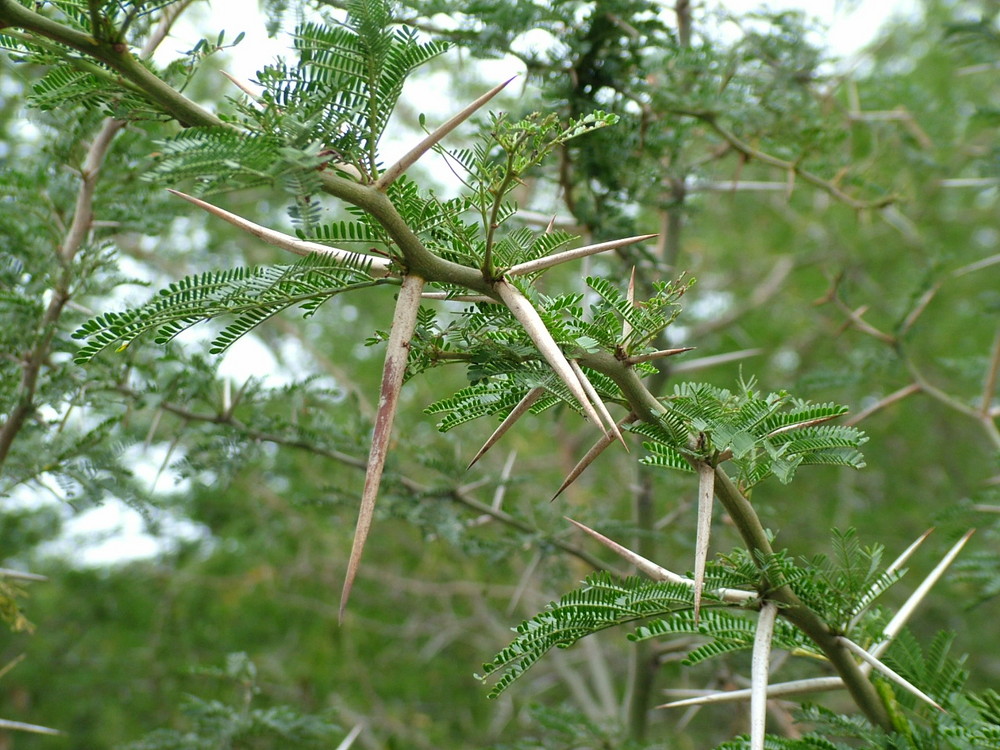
[[459, 495], [793, 168], [114, 55]]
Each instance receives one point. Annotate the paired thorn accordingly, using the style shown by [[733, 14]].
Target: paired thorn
[[657, 573], [895, 625], [378, 267], [591, 455], [897, 564], [397, 350], [540, 264], [534, 326], [595, 398], [522, 408], [409, 159]]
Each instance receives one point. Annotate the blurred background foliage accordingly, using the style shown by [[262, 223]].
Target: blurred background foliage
[[880, 276]]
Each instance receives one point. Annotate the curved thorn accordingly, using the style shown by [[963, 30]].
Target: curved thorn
[[534, 326], [522, 408], [706, 494], [795, 687], [548, 261], [392, 173], [595, 399], [657, 355], [760, 666], [887, 671], [404, 322], [378, 267], [654, 571], [591, 455]]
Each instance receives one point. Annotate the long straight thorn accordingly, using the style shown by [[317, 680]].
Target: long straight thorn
[[759, 668], [657, 573], [595, 399], [534, 326], [378, 267], [894, 566], [598, 448], [540, 264], [895, 625], [638, 358], [626, 326], [887, 671], [522, 408], [777, 690], [706, 494], [404, 322], [392, 173]]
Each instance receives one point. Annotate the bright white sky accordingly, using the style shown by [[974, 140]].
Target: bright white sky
[[115, 533]]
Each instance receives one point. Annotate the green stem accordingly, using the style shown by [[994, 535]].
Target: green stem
[[116, 56]]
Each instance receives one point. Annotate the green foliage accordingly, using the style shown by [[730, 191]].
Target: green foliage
[[272, 473], [216, 724], [252, 295], [602, 602], [762, 435]]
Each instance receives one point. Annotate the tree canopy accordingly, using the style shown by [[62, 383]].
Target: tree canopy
[[686, 333]]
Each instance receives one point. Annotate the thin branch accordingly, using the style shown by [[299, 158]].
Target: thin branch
[[882, 403], [115, 56], [393, 173], [792, 168], [76, 235], [397, 350], [458, 495]]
